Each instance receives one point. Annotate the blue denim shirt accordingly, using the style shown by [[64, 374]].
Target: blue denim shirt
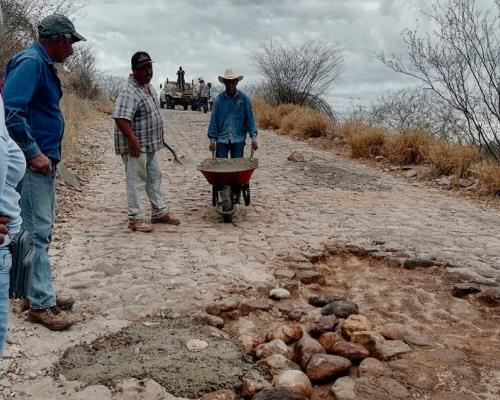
[[232, 119], [32, 92]]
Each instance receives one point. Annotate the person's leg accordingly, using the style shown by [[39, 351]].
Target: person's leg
[[135, 172], [5, 265], [237, 150], [153, 186], [37, 211], [222, 150]]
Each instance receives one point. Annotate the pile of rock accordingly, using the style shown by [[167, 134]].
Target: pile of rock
[[332, 345]]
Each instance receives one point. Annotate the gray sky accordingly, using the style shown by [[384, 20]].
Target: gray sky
[[207, 36]]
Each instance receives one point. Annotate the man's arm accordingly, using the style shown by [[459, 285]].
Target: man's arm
[[125, 127], [251, 127], [20, 86], [212, 126]]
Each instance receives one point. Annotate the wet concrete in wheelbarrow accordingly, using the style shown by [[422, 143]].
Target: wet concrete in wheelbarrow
[[157, 349]]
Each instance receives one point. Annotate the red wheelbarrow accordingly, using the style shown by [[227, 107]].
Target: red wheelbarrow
[[229, 178]]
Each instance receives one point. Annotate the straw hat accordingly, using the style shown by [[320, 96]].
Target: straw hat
[[229, 74]]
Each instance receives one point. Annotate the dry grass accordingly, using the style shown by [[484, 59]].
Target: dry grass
[[364, 141], [488, 173], [408, 147], [367, 143], [452, 158]]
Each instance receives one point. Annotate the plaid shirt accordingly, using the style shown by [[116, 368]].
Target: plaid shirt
[[142, 109]]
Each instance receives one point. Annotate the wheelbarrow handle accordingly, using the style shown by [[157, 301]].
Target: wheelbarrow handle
[[252, 152]]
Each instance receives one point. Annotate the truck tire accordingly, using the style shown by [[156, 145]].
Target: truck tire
[[185, 107]]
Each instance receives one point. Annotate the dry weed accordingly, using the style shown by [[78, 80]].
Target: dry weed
[[365, 141], [408, 147], [452, 158], [76, 112], [488, 173]]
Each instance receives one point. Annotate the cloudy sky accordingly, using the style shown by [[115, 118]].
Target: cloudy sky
[[207, 36]]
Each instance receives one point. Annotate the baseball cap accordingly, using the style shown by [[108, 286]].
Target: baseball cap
[[57, 24], [140, 59]]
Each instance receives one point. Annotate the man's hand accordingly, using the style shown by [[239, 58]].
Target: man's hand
[[255, 146], [134, 146], [3, 227], [211, 146], [40, 164]]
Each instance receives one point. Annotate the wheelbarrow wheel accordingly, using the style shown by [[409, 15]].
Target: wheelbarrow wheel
[[214, 196], [245, 189], [227, 203]]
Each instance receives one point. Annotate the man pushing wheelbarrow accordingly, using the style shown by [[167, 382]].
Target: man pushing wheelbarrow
[[231, 121]]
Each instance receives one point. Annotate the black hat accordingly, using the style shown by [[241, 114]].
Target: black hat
[[140, 59]]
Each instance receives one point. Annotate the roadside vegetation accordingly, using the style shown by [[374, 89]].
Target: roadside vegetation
[[446, 130], [86, 90]]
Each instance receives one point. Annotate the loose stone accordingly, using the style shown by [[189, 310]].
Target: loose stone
[[276, 364], [279, 294], [284, 274], [287, 333], [324, 299], [328, 340], [295, 381], [196, 345], [323, 367], [371, 367], [367, 339], [412, 263], [254, 305], [252, 387], [309, 277], [353, 352], [464, 289], [355, 323], [273, 347], [344, 389], [323, 324], [341, 309], [211, 320], [390, 348], [305, 348]]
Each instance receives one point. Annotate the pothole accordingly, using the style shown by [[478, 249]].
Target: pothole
[[157, 349]]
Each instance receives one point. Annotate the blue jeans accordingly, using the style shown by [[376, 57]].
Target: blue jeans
[[236, 149], [38, 206], [5, 264], [143, 172]]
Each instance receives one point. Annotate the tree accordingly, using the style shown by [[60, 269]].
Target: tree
[[111, 84], [416, 108], [300, 74], [21, 18], [460, 63]]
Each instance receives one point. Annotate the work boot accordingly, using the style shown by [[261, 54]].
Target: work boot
[[52, 318], [65, 303], [139, 225], [166, 219]]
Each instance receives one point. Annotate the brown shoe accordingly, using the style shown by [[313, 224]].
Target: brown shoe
[[65, 303], [166, 219], [52, 318], [139, 225]]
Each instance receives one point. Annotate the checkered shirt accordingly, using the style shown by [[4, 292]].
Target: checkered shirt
[[142, 109]]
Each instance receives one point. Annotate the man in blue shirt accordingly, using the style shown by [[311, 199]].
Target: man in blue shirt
[[231, 120], [32, 92]]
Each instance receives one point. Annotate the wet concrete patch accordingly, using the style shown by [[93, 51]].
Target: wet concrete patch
[[157, 350]]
